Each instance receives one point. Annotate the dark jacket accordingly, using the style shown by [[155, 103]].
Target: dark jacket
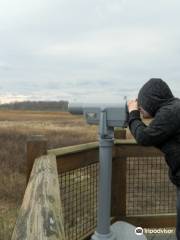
[[164, 130]]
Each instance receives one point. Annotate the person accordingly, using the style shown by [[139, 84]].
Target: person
[[155, 100]]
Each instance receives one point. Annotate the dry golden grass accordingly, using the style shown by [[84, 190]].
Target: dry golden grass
[[61, 129]]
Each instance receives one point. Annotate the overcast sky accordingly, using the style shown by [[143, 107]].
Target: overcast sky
[[87, 50]]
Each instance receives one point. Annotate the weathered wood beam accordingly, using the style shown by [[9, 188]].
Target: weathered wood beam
[[36, 146], [134, 150], [40, 216], [73, 149], [151, 221]]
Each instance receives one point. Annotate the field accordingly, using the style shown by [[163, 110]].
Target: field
[[61, 129]]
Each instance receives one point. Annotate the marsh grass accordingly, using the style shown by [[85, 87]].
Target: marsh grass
[[61, 129]]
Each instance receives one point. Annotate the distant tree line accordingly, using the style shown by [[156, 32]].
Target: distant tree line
[[61, 106]]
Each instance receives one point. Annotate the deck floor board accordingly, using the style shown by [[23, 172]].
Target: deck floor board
[[161, 237]]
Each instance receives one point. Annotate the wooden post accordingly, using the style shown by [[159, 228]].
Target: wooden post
[[36, 147], [120, 133], [41, 213], [119, 187], [118, 199]]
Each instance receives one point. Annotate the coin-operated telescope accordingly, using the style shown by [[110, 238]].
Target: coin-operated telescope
[[107, 116]]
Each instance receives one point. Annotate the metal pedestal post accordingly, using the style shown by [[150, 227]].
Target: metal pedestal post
[[106, 141], [103, 231]]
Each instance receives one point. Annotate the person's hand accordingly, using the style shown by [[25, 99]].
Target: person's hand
[[132, 105]]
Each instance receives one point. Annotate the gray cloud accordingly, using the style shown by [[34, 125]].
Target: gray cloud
[[99, 48]]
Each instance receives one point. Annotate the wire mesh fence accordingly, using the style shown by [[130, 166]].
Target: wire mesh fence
[[79, 199], [149, 190]]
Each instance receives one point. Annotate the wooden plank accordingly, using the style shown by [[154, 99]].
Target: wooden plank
[[134, 150], [82, 155], [151, 221], [70, 158], [125, 147], [84, 147], [125, 141], [74, 149], [36, 146], [74, 161], [40, 216], [77, 160], [124, 144]]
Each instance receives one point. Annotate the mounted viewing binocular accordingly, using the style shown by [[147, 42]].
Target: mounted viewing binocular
[[107, 116], [116, 114]]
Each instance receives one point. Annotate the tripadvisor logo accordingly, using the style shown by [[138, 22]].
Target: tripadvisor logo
[[139, 231]]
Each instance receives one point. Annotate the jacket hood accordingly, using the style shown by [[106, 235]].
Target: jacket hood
[[154, 94]]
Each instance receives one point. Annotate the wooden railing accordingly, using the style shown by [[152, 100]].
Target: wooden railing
[[41, 211], [129, 149]]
